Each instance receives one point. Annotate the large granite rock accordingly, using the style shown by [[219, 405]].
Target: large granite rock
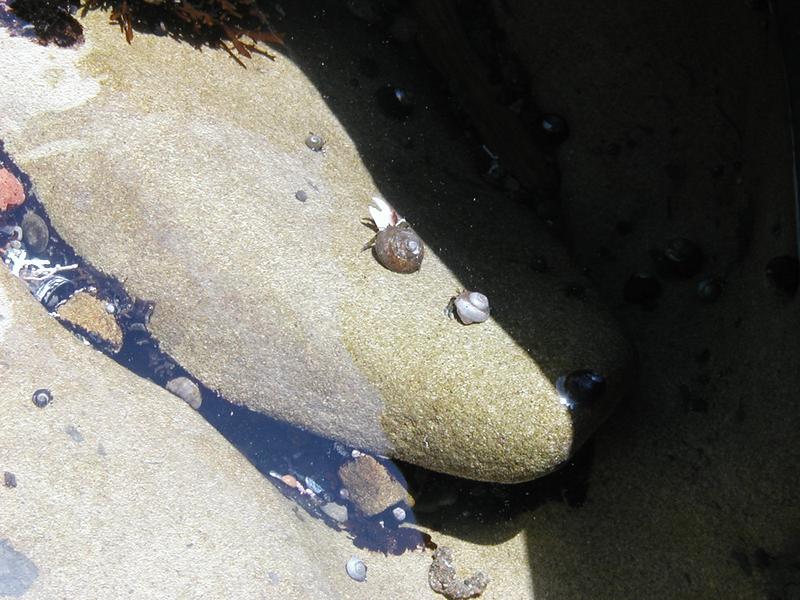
[[176, 170]]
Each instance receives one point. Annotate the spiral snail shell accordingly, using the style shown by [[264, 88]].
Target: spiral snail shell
[[356, 569], [471, 307], [399, 249]]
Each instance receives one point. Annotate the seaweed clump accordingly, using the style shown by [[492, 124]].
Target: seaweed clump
[[52, 20], [213, 23], [232, 25]]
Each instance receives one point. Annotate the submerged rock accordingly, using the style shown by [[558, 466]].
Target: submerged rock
[[90, 314], [270, 301], [370, 485]]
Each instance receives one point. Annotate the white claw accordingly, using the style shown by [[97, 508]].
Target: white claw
[[383, 214]]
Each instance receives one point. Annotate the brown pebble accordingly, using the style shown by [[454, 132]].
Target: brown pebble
[[371, 487]]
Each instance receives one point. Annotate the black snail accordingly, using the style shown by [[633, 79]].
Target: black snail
[[396, 246]]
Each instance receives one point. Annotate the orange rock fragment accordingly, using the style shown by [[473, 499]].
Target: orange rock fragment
[[11, 190]]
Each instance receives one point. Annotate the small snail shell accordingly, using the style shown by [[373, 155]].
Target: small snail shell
[[471, 307], [399, 249], [315, 142], [42, 397], [356, 569]]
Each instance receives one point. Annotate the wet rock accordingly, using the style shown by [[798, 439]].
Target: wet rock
[[90, 314], [372, 488], [444, 580], [269, 301], [11, 191]]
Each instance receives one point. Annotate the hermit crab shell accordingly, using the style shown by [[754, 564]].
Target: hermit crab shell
[[399, 249], [471, 307]]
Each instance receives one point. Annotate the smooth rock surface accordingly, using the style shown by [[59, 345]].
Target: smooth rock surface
[[150, 501], [175, 170]]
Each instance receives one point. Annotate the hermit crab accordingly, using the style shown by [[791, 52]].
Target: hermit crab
[[395, 246], [468, 307]]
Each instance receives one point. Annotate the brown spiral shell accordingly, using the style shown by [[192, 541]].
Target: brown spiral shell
[[399, 249]]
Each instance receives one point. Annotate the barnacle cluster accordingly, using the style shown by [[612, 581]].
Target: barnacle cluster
[[232, 25]]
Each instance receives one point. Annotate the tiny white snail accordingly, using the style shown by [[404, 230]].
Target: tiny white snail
[[315, 142], [471, 307], [356, 569]]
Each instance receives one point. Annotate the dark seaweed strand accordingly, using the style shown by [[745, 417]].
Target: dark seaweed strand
[[212, 23]]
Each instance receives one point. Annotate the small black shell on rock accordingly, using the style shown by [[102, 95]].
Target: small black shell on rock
[[709, 289], [399, 249], [580, 388], [553, 129], [42, 397]]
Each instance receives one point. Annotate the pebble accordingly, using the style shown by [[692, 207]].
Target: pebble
[[301, 195], [187, 390], [11, 191], [336, 511], [372, 488], [9, 479]]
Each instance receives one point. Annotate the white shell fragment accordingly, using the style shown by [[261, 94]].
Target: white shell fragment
[[187, 390], [356, 569], [399, 513], [472, 307]]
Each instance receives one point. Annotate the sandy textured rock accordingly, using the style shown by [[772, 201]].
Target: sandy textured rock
[[121, 490], [86, 311], [189, 197]]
